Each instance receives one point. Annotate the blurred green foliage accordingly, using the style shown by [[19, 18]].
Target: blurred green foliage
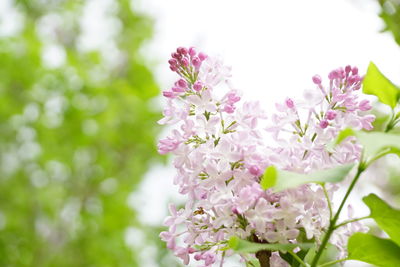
[[76, 135], [390, 13]]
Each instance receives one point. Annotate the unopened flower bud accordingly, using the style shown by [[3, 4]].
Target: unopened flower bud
[[185, 62], [192, 51], [235, 211], [178, 89], [196, 62], [333, 75], [317, 79], [168, 94], [191, 250], [173, 61], [323, 124], [182, 50], [347, 69], [176, 55], [331, 114], [182, 83], [255, 170], [202, 56], [197, 86], [289, 103]]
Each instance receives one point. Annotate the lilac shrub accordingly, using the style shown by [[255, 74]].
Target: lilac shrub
[[221, 151]]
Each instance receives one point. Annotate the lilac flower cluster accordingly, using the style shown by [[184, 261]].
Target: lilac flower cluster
[[220, 153]]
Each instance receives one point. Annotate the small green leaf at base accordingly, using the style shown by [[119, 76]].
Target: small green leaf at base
[[375, 83], [269, 178], [373, 250]]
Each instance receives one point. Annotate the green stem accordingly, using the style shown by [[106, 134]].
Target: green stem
[[332, 262], [350, 221], [297, 258], [329, 202], [378, 156], [331, 228], [393, 121]]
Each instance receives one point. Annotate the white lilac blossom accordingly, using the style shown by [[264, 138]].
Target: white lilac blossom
[[220, 154]]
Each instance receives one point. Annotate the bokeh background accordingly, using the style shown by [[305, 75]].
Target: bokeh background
[[81, 183]]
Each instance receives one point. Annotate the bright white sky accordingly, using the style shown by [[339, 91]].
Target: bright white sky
[[274, 47]]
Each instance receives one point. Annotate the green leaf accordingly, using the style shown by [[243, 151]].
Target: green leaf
[[373, 250], [375, 83], [291, 260], [285, 179], [372, 142], [269, 178], [244, 246], [253, 263], [343, 135], [375, 142], [387, 218]]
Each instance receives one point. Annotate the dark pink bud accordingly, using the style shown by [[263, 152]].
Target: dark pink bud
[[235, 210], [173, 62], [169, 94], [192, 51], [331, 114], [176, 55], [323, 124], [197, 86], [202, 56], [289, 103], [317, 79], [347, 69], [357, 78], [173, 67], [197, 257], [181, 83], [185, 62], [255, 170], [354, 79], [182, 50], [191, 250], [341, 73], [333, 75], [354, 70], [196, 62], [178, 89]]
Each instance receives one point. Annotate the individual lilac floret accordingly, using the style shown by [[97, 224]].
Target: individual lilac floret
[[331, 114]]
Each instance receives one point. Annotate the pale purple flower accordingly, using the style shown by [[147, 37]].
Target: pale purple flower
[[220, 153]]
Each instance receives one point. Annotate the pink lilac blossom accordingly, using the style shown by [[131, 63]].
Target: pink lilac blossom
[[220, 154]]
